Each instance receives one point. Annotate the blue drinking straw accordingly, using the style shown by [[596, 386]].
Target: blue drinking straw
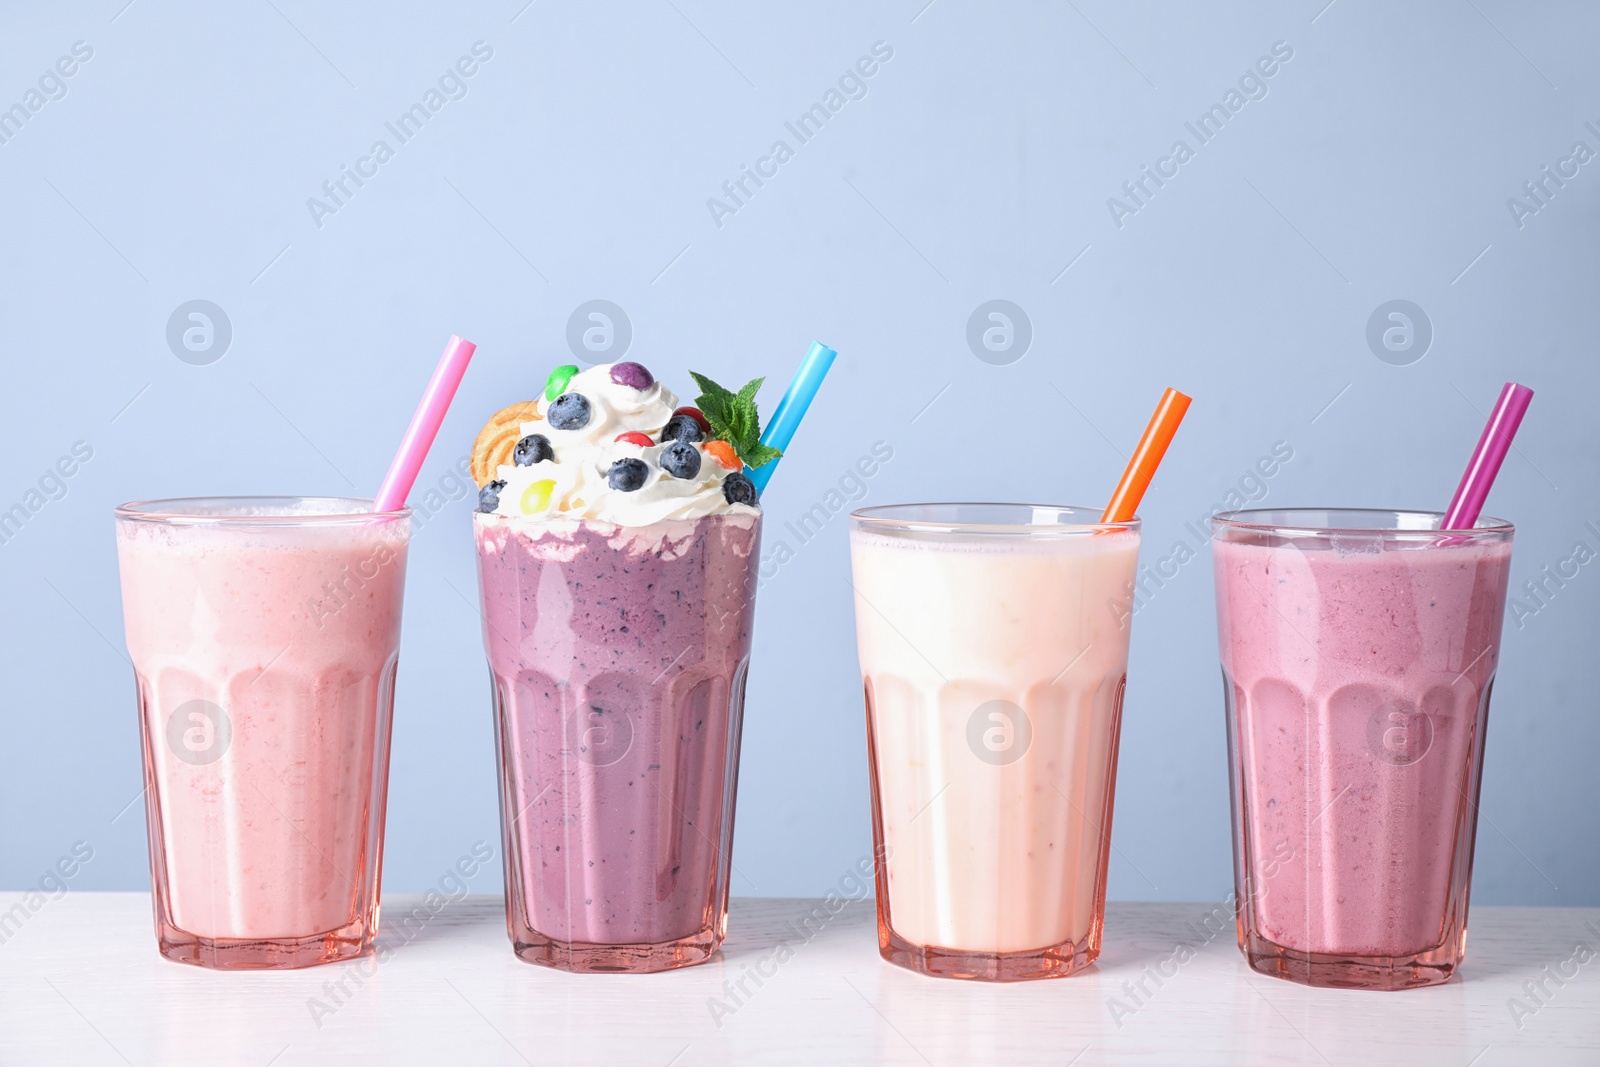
[[792, 408]]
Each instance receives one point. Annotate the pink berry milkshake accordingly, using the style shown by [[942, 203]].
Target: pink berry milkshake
[[1358, 665], [618, 543], [264, 634]]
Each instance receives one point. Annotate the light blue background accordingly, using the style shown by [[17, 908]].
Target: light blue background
[[977, 166]]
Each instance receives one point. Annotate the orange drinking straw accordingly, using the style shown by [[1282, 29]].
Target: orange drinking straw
[[1147, 457]]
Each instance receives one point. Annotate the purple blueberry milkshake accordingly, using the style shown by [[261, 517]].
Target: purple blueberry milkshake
[[617, 580]]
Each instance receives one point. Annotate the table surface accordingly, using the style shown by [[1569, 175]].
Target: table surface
[[80, 982]]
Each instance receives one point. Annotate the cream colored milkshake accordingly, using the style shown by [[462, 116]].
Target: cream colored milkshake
[[264, 636], [994, 647]]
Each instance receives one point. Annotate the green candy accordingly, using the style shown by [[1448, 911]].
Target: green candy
[[556, 384]]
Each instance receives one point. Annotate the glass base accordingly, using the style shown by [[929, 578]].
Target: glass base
[[587, 957], [1343, 971], [263, 953], [1055, 961]]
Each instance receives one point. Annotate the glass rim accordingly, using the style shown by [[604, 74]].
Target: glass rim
[[895, 517], [1256, 520], [229, 511]]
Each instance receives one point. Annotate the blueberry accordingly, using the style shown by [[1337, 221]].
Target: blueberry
[[569, 411], [632, 374], [682, 428], [626, 475], [681, 460], [489, 496], [737, 489], [534, 448]]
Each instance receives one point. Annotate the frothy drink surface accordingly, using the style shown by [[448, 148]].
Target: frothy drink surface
[[619, 657], [1360, 680]]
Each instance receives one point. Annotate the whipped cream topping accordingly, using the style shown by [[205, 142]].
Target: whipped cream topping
[[574, 482]]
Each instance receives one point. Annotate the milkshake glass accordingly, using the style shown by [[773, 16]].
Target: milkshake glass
[[994, 649], [1358, 653], [618, 542], [618, 657], [264, 634]]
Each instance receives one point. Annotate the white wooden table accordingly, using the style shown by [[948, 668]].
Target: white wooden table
[[80, 982]]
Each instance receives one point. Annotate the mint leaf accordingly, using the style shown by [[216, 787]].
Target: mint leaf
[[735, 419], [760, 455], [747, 395], [744, 428], [709, 390], [716, 404], [719, 413]]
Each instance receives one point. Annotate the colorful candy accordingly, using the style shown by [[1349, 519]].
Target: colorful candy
[[536, 497], [724, 454], [556, 384], [633, 375]]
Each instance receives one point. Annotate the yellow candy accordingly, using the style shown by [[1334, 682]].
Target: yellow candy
[[536, 497]]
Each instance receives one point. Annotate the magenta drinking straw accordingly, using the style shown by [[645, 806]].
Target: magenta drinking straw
[[1467, 504], [424, 425]]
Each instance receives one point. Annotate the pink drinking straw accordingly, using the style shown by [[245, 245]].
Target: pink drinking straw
[[424, 425], [1467, 504]]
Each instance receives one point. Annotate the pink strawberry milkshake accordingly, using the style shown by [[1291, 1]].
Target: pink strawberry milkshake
[[264, 635], [1358, 668]]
